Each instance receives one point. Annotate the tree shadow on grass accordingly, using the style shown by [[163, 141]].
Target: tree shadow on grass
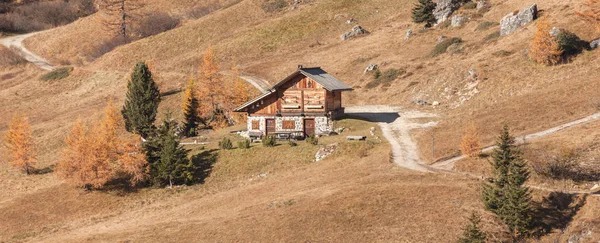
[[556, 211], [42, 171], [204, 164]]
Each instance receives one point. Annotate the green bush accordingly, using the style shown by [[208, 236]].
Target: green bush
[[571, 44], [57, 74], [225, 144], [470, 5], [385, 77], [492, 36], [485, 25], [312, 139], [423, 13], [244, 144], [443, 46], [274, 6], [292, 143], [269, 141]]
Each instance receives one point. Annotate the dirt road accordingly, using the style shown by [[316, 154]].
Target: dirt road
[[16, 43]]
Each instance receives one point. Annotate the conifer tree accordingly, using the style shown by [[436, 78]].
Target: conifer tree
[[423, 13], [472, 233], [20, 145], [190, 109], [168, 159], [141, 103], [544, 47], [505, 194]]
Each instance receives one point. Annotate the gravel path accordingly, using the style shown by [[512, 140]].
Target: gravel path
[[16, 43]]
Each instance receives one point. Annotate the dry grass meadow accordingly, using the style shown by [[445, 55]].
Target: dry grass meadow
[[355, 195]]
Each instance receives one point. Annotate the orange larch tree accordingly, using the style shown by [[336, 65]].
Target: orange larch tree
[[470, 144], [94, 157], [239, 94], [544, 48], [20, 145], [213, 92]]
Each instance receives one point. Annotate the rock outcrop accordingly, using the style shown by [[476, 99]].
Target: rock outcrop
[[595, 44], [511, 22], [355, 32], [444, 9], [458, 20]]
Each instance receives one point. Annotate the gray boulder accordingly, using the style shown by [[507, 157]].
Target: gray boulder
[[511, 22], [555, 31], [481, 4], [371, 68], [458, 20], [595, 44], [444, 9], [356, 31], [408, 34], [421, 102]]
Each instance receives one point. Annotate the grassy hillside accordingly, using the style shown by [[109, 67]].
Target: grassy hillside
[[344, 198]]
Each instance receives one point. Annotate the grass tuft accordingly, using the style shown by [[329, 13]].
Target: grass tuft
[[57, 74], [442, 47]]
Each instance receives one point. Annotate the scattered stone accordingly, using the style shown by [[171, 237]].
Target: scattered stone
[[458, 20], [356, 31], [263, 175], [596, 186], [350, 21], [340, 130], [444, 9], [421, 102], [325, 151], [511, 22], [436, 103], [595, 44], [472, 75], [371, 68], [372, 131], [481, 4], [555, 31], [441, 38], [408, 34]]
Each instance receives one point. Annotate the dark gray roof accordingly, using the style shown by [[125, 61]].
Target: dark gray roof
[[320, 76], [316, 73]]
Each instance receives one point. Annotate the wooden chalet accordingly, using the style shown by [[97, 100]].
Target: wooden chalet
[[306, 102]]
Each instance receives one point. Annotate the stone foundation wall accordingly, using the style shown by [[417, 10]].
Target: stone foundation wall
[[323, 125], [298, 120]]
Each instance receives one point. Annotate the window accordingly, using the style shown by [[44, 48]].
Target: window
[[256, 125], [309, 84], [289, 125]]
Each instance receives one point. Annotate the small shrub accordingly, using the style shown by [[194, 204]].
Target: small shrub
[[558, 166], [312, 139], [39, 15], [423, 13], [470, 145], [385, 77], [571, 44], [446, 24], [10, 58], [57, 74], [443, 46], [483, 26], [244, 144], [292, 143], [225, 144], [492, 36], [269, 141], [502, 53], [202, 9], [155, 23], [274, 6], [470, 5]]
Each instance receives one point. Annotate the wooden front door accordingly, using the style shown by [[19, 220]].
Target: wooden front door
[[309, 127], [270, 127]]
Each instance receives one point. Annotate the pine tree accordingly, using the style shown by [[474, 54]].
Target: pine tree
[[168, 159], [190, 109], [505, 194], [141, 104], [472, 233], [423, 13], [21, 148], [544, 47], [470, 145]]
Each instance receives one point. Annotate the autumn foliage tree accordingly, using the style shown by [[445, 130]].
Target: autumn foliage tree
[[470, 144], [544, 47], [20, 145], [592, 15], [118, 15], [98, 155], [214, 93], [239, 94]]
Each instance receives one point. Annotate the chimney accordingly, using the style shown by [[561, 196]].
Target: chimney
[[300, 66]]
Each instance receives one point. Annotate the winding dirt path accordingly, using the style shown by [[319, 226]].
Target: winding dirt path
[[16, 43]]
